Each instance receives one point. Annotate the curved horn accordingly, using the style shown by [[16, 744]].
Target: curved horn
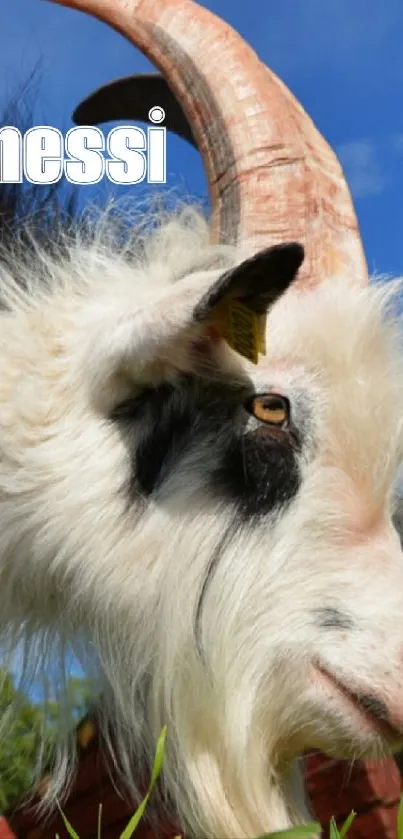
[[271, 175], [131, 98]]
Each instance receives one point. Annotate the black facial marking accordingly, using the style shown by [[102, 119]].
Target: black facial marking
[[257, 470], [169, 419], [329, 618], [209, 574]]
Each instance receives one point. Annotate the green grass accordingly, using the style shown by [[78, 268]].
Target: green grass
[[303, 832]]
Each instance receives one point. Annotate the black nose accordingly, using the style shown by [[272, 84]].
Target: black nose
[[331, 618], [375, 707]]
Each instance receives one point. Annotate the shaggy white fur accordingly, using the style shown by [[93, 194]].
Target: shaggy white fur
[[233, 623]]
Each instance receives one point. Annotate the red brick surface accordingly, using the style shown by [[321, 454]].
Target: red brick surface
[[5, 829], [372, 789]]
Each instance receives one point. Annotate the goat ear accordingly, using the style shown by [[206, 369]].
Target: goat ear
[[237, 302], [164, 334], [257, 282]]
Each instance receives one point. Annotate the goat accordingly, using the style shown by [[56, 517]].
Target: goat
[[217, 533]]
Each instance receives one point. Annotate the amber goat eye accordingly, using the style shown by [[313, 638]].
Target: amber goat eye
[[270, 408]]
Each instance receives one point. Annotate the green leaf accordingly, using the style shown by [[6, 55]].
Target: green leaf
[[347, 824], [26, 726], [304, 832], [99, 821], [68, 826], [333, 830], [156, 770], [158, 760]]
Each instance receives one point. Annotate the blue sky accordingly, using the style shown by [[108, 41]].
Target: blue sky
[[342, 58]]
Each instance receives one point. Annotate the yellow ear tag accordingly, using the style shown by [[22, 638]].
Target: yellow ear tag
[[241, 328]]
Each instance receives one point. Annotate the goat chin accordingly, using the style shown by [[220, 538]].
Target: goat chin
[[201, 562]]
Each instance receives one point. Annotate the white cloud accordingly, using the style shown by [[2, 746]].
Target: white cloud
[[361, 168]]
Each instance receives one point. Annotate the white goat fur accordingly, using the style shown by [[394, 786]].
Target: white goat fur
[[79, 563]]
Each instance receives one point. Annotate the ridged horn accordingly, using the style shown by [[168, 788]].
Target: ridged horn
[[271, 175]]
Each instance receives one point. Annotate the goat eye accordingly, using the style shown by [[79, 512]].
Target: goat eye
[[270, 408]]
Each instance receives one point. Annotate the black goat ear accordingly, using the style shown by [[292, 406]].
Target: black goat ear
[[186, 322], [257, 282], [239, 300]]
